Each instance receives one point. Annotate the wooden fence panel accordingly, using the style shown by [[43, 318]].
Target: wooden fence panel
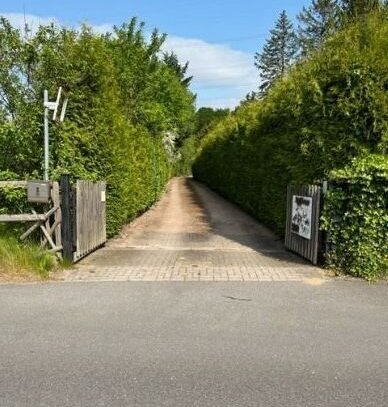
[[90, 219], [49, 222], [307, 248]]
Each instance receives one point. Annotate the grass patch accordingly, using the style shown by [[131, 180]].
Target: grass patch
[[19, 260]]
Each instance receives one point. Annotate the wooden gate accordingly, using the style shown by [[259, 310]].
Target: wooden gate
[[302, 225], [90, 227], [84, 217]]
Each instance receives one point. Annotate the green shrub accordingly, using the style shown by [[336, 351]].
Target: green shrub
[[328, 110], [356, 218], [123, 98]]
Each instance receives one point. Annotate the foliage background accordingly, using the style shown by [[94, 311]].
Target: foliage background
[[124, 97]]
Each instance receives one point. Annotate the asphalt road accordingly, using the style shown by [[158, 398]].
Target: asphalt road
[[194, 344]]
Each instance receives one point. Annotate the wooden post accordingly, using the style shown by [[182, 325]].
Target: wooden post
[[325, 235], [56, 228], [67, 218]]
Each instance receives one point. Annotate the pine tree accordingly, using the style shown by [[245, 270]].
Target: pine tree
[[317, 22], [278, 54]]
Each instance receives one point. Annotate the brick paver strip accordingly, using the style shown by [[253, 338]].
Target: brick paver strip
[[192, 234]]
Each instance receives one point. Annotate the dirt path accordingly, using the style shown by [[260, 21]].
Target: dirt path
[[193, 234]]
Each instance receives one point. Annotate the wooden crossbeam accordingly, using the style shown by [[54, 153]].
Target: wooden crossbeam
[[23, 218], [51, 212], [30, 230], [28, 217], [48, 237]]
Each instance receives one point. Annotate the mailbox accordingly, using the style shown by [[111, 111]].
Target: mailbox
[[38, 191]]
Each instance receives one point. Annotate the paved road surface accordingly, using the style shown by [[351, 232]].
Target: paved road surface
[[193, 234], [258, 344]]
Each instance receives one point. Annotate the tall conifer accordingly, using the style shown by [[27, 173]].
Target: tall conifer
[[278, 54], [317, 22]]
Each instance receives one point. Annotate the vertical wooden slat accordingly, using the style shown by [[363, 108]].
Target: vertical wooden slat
[[317, 224], [79, 198], [55, 196], [67, 219], [103, 214], [86, 218], [99, 194], [58, 214], [93, 219]]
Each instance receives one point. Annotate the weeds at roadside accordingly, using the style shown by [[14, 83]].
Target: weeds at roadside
[[19, 260]]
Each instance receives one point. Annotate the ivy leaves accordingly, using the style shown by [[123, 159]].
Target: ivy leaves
[[356, 217]]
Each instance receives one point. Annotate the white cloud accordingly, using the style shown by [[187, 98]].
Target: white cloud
[[102, 28], [19, 20], [221, 103], [222, 75], [212, 63], [216, 69]]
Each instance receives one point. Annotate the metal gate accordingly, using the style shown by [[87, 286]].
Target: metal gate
[[84, 217], [302, 225]]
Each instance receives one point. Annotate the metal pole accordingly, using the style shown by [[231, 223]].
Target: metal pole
[[46, 137]]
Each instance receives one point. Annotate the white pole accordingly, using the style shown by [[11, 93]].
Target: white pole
[[46, 137]]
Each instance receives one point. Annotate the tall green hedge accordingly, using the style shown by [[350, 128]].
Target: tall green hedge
[[123, 99], [330, 109], [356, 218]]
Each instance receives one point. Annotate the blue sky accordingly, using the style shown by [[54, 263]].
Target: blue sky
[[218, 37]]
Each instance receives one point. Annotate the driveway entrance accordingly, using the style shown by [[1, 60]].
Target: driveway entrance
[[193, 234]]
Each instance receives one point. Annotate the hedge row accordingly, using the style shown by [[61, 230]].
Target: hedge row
[[328, 110], [356, 217], [124, 97]]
